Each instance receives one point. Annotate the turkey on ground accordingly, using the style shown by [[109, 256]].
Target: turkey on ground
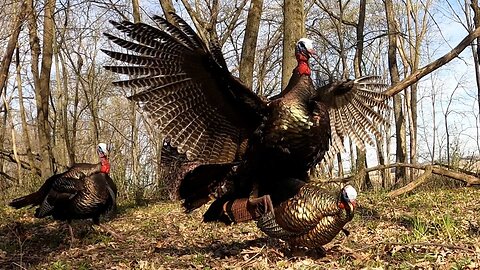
[[239, 142], [84, 191], [311, 218]]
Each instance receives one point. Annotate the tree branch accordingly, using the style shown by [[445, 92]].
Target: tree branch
[[414, 184], [9, 156], [469, 179], [12, 43], [420, 73]]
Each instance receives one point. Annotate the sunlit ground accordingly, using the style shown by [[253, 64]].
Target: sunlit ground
[[431, 229]]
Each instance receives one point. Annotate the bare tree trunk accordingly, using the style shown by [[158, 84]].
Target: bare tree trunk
[[417, 23], [340, 165], [88, 86], [69, 143], [357, 63], [413, 123], [249, 47], [13, 138], [71, 135], [361, 163], [26, 133], [42, 93], [136, 11], [138, 190], [395, 78], [3, 133], [12, 43], [293, 30], [343, 57], [476, 50]]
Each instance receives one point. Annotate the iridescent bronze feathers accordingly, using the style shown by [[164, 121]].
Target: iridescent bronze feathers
[[312, 218], [242, 145]]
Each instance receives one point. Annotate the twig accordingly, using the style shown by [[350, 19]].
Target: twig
[[253, 257], [20, 266]]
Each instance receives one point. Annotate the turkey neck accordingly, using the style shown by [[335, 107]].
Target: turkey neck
[[105, 165], [304, 85]]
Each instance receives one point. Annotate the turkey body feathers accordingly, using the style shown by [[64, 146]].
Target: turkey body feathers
[[79, 193], [208, 115], [310, 219]]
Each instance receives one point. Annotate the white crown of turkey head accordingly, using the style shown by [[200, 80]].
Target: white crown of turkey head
[[102, 149], [307, 43], [349, 193]]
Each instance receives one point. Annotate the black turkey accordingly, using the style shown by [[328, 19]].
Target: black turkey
[[241, 144], [84, 191], [311, 218]]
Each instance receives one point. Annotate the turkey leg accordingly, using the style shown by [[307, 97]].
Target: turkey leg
[[72, 236], [241, 210]]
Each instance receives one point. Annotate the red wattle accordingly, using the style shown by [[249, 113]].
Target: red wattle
[[105, 168], [302, 67]]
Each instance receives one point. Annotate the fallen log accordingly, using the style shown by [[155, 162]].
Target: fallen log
[[468, 178]]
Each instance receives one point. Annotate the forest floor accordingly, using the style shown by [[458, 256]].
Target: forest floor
[[437, 229]]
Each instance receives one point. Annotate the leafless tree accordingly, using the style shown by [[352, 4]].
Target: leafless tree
[[293, 30]]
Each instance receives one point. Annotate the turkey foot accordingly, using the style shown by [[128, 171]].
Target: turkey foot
[[315, 253], [73, 240], [260, 206], [111, 232]]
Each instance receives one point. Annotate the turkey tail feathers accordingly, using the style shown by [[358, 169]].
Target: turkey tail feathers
[[31, 199]]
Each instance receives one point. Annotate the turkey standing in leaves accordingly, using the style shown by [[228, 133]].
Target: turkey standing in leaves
[[241, 144], [84, 191], [312, 218]]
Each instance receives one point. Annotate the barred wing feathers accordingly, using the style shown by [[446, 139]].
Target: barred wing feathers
[[62, 189], [355, 110], [186, 90]]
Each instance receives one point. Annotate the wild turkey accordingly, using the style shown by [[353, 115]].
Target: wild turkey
[[84, 191], [311, 218], [241, 143]]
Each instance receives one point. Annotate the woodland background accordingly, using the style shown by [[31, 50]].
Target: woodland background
[[57, 103]]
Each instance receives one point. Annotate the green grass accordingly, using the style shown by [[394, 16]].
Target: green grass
[[59, 265]]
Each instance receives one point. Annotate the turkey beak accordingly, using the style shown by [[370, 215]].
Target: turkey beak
[[352, 204], [100, 152]]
